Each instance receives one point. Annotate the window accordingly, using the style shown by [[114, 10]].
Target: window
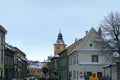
[[74, 59], [77, 58], [70, 74], [63, 62], [1, 73], [31, 71], [1, 40], [74, 75], [89, 74], [38, 71], [1, 56], [94, 58], [70, 61], [99, 74], [5, 59], [77, 75]]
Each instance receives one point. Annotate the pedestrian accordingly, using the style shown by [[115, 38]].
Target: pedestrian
[[82, 76], [93, 77]]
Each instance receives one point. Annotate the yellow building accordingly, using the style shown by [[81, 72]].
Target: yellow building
[[35, 68], [36, 72]]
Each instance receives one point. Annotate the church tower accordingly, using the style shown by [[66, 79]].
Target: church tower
[[59, 45]]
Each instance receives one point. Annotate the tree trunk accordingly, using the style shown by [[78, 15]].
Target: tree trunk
[[118, 71]]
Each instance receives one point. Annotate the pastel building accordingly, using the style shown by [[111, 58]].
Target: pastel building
[[35, 68]]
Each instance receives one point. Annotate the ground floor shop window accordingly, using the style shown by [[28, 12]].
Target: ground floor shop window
[[70, 75], [99, 75]]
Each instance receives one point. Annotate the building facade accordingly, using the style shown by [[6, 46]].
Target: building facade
[[62, 66], [112, 70], [2, 50], [88, 57], [35, 68], [20, 64], [9, 62]]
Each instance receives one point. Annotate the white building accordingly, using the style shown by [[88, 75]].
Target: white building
[[88, 56]]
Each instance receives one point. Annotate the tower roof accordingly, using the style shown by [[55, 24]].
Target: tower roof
[[60, 39]]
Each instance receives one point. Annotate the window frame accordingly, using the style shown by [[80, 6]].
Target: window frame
[[95, 58]]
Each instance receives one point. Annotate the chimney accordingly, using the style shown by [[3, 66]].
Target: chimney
[[48, 57], [99, 31], [75, 39], [86, 32]]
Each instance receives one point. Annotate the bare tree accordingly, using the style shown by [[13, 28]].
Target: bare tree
[[111, 30], [111, 34]]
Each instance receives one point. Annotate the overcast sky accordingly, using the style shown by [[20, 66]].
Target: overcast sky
[[33, 25]]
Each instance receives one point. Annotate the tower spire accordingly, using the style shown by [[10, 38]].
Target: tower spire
[[60, 38], [59, 44], [60, 30]]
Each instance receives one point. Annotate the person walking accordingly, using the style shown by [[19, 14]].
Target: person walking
[[93, 77], [82, 76]]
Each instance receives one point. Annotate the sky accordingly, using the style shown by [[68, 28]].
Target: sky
[[33, 25]]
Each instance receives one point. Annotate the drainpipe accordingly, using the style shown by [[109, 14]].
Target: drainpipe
[[110, 72], [104, 71]]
